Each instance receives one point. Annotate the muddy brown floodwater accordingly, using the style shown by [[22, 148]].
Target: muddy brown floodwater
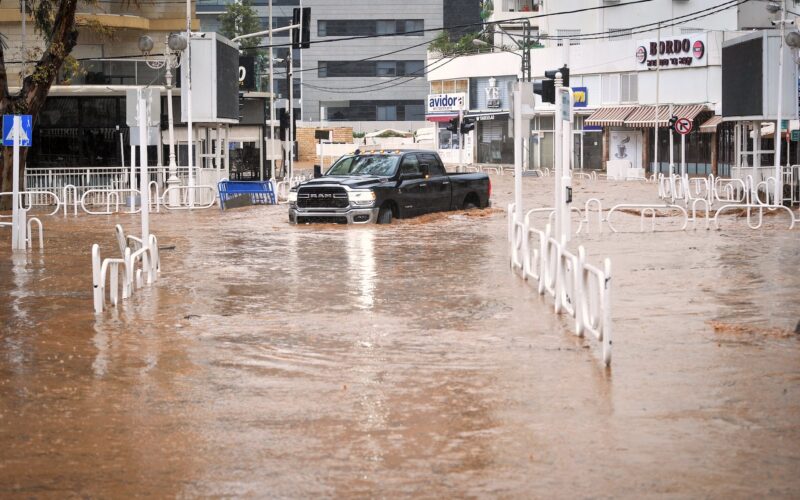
[[405, 360]]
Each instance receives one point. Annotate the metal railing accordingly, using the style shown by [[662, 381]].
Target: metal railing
[[138, 261], [578, 288]]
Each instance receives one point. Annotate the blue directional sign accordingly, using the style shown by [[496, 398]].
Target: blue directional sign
[[25, 132]]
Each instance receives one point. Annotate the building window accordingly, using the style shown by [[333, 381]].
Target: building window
[[629, 87], [386, 68], [571, 34], [619, 34], [387, 113], [610, 86], [377, 110], [343, 69], [450, 86], [368, 27]]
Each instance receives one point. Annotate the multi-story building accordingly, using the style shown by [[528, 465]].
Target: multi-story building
[[209, 12], [369, 83], [83, 121], [612, 68]]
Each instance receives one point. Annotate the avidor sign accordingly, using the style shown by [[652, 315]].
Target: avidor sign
[[446, 103], [682, 51]]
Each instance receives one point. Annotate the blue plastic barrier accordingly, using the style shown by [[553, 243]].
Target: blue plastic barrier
[[260, 192]]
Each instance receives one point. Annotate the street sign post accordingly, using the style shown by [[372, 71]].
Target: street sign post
[[795, 135], [25, 130], [563, 160], [683, 126], [17, 131]]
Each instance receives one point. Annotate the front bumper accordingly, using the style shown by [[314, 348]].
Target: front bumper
[[348, 216]]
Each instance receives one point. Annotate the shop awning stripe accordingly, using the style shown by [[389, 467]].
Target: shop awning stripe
[[614, 115], [710, 125], [644, 116]]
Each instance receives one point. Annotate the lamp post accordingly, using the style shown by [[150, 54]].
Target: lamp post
[[175, 44]]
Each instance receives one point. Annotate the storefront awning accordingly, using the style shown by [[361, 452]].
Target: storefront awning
[[441, 118], [485, 115], [710, 126], [644, 116], [609, 116]]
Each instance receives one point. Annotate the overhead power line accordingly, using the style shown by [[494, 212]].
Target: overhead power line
[[664, 24], [459, 26]]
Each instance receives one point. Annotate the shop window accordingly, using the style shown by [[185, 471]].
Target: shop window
[[436, 87]]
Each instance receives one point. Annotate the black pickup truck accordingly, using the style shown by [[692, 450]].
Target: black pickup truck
[[377, 187]]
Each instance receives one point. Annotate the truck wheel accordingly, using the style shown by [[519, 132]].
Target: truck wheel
[[470, 206], [385, 215]]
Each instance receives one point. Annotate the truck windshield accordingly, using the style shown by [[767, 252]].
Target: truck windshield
[[380, 165]]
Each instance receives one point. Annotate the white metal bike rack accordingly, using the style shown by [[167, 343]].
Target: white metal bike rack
[[184, 197], [579, 289], [139, 264]]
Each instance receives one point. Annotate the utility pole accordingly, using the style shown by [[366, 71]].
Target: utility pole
[[290, 105], [778, 139], [658, 95], [189, 132], [271, 104]]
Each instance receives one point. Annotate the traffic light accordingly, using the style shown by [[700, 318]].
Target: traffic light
[[283, 124], [564, 70], [547, 88], [454, 126], [467, 125], [301, 37], [672, 122]]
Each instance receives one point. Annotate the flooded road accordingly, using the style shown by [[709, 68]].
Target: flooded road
[[407, 360]]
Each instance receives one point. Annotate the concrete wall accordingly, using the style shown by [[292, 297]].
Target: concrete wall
[[307, 144]]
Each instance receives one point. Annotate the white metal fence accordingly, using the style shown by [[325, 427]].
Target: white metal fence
[[578, 288]]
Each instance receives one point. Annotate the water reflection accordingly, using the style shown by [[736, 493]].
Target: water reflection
[[361, 265]]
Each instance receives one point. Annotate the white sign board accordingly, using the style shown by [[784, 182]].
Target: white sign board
[[679, 51], [566, 109], [626, 146], [446, 103]]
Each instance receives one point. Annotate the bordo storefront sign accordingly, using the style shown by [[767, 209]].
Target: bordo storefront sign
[[682, 51]]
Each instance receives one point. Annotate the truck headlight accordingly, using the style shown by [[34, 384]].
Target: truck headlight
[[362, 197], [292, 196]]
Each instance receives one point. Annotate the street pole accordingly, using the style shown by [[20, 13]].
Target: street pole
[[558, 160], [17, 224], [145, 204], [518, 152], [683, 155], [778, 194], [461, 141], [290, 73], [671, 146], [173, 181], [189, 132], [658, 95], [22, 43], [271, 103]]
